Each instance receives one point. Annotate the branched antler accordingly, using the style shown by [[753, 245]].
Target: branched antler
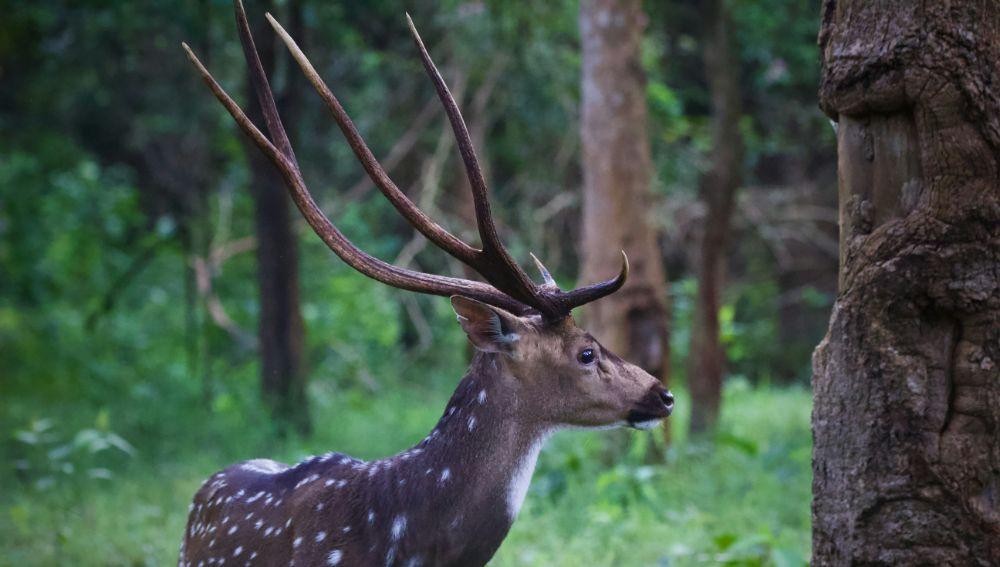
[[509, 286]]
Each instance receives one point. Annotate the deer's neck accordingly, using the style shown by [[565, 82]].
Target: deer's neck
[[490, 447], [469, 476]]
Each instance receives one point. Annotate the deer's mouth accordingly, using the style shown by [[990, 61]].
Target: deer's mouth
[[638, 419], [654, 408]]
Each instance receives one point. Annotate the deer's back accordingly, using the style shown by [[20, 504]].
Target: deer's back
[[329, 510], [252, 512]]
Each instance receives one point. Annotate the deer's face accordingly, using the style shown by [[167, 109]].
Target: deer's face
[[562, 375]]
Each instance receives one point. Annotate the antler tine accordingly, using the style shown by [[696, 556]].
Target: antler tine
[[433, 231], [494, 262], [334, 239], [261, 86], [280, 160], [580, 296], [487, 230], [546, 276]]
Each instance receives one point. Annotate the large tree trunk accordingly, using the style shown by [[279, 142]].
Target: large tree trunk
[[907, 381], [281, 332], [718, 191], [616, 185]]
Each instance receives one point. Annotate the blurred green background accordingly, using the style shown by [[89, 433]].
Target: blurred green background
[[126, 228]]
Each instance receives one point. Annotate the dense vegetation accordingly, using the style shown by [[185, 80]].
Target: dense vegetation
[[123, 188], [742, 501]]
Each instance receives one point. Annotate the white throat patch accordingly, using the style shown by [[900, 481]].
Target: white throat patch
[[521, 479], [648, 424]]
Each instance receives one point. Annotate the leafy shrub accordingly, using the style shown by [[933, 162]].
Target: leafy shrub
[[48, 457]]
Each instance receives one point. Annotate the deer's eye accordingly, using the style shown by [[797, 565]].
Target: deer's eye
[[587, 356]]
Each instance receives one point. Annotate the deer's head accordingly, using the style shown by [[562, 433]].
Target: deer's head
[[559, 373], [562, 373]]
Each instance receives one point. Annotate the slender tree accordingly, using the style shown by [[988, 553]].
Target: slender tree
[[281, 330], [718, 192], [907, 397], [616, 185]]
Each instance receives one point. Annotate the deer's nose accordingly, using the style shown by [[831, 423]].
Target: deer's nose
[[667, 398]]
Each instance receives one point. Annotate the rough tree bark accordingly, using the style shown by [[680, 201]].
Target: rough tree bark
[[718, 192], [906, 383], [281, 330], [616, 185]]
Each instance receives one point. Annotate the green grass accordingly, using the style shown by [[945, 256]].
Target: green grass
[[741, 499]]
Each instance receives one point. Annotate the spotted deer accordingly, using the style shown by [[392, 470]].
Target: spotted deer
[[451, 499]]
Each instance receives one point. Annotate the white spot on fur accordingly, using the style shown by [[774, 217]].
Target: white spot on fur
[[264, 466], [238, 550], [297, 542], [481, 397], [320, 536], [371, 517], [398, 527], [445, 475], [472, 422], [307, 480], [334, 557]]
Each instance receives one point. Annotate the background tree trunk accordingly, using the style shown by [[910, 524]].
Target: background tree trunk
[[718, 192], [281, 331], [616, 185], [907, 393]]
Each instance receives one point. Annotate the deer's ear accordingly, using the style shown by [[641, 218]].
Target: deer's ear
[[489, 328]]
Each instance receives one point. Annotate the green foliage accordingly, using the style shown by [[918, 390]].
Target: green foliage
[[749, 331], [742, 502], [47, 458], [118, 394], [738, 503]]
